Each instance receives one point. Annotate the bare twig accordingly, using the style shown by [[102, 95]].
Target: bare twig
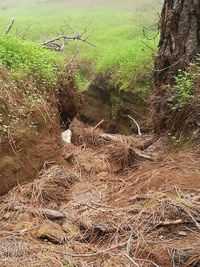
[[73, 57], [131, 260], [153, 263], [105, 251], [95, 127], [138, 126], [141, 154], [10, 26], [61, 37], [170, 223], [64, 38], [27, 29], [129, 244], [149, 38], [148, 46]]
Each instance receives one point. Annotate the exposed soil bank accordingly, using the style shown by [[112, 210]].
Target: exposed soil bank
[[103, 102], [69, 100], [34, 141], [23, 162]]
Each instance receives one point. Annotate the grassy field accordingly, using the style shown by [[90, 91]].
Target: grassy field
[[114, 26]]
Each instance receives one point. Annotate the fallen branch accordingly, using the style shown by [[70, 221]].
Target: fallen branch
[[137, 152], [141, 154], [10, 26], [140, 143], [61, 37], [64, 38], [171, 223], [138, 126], [109, 137]]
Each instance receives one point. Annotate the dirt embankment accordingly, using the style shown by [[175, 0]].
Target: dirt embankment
[[31, 116], [105, 102]]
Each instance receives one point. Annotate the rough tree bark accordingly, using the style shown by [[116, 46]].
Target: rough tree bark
[[180, 38]]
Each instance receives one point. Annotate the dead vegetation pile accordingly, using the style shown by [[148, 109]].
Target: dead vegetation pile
[[96, 211], [119, 150], [84, 135], [52, 186]]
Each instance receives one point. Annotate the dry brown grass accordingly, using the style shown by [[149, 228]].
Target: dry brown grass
[[119, 152], [118, 224], [167, 116], [84, 134], [53, 185], [146, 228]]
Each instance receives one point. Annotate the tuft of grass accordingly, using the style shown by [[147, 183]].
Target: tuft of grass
[[184, 84], [27, 58]]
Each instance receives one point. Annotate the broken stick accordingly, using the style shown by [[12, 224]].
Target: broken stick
[[10, 26]]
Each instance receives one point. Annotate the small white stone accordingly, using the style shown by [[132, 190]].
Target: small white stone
[[66, 136], [182, 233], [53, 214]]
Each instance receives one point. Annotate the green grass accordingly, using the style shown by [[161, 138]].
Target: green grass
[[114, 26], [27, 58]]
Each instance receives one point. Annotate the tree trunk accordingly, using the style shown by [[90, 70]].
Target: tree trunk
[[180, 39]]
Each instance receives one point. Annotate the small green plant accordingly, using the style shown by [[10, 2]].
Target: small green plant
[[81, 81], [184, 86], [70, 263], [177, 141]]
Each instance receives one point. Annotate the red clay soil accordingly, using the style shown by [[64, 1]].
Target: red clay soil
[[23, 161]]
